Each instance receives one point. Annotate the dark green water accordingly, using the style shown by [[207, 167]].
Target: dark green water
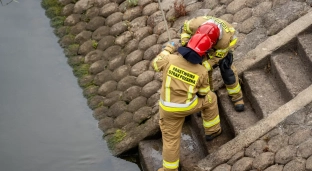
[[45, 122]]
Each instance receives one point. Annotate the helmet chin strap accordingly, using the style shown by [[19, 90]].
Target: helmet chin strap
[[164, 18]]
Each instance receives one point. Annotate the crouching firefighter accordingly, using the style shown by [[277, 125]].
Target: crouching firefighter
[[223, 38], [185, 90]]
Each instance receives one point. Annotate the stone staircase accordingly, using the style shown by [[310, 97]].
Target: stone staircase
[[268, 84]]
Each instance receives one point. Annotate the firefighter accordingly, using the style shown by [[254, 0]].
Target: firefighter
[[224, 39], [185, 90]]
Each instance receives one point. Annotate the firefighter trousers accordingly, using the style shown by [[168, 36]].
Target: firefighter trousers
[[171, 126]]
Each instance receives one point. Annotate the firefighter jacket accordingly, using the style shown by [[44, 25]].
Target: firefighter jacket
[[182, 80], [226, 42]]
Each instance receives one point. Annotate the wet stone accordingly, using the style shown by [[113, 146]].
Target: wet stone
[[227, 17], [248, 25], [62, 31], [93, 56], [65, 2], [100, 112], [85, 80], [285, 154], [263, 161], [148, 42], [83, 37], [222, 167], [100, 32], [138, 23], [81, 6], [305, 149], [103, 77], [275, 167], [131, 46], [107, 87], [130, 126], [90, 91], [75, 60], [126, 83], [277, 142], [132, 13], [72, 19], [78, 28], [66, 41], [309, 164], [145, 78], [139, 68], [68, 9], [137, 103], [97, 67], [121, 72], [151, 88], [300, 136], [218, 11], [86, 47], [210, 4], [236, 157], [92, 12], [256, 148], [108, 9], [262, 9], [131, 93], [118, 28], [112, 98], [111, 52], [235, 6], [244, 163], [165, 38], [153, 100], [150, 9], [154, 19], [117, 109], [113, 18], [116, 62], [161, 27], [95, 23], [142, 114], [95, 101], [134, 57], [242, 15], [106, 42], [142, 33], [297, 164], [124, 38], [297, 119], [106, 123], [152, 52], [123, 119]]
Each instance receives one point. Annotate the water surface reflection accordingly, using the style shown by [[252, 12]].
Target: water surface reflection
[[45, 122]]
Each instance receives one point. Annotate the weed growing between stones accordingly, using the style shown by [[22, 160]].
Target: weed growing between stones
[[81, 70], [94, 44], [71, 50], [118, 136], [132, 3], [57, 22]]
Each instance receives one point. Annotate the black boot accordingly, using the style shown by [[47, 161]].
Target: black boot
[[214, 135]]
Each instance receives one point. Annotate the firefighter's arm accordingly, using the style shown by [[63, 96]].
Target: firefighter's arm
[[204, 87], [186, 32], [161, 59]]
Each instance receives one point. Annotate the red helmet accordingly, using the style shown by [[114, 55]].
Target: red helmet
[[211, 30], [200, 43]]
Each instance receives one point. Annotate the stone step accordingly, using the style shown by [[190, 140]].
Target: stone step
[[191, 150], [238, 121], [305, 45], [211, 146], [262, 90], [292, 73]]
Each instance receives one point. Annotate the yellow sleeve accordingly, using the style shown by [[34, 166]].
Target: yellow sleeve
[[162, 59], [204, 88]]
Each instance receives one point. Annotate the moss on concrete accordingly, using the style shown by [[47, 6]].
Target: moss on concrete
[[81, 70], [118, 136]]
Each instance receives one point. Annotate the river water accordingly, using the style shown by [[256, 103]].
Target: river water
[[45, 122]]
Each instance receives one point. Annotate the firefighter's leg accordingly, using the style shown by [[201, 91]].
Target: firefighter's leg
[[171, 128], [210, 115], [230, 79]]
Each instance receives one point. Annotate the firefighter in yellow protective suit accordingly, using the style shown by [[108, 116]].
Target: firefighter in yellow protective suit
[[220, 54], [185, 90]]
